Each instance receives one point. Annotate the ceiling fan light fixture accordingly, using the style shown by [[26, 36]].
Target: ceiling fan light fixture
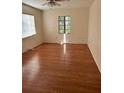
[[53, 3]]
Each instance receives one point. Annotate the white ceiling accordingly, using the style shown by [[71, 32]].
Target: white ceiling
[[64, 4]]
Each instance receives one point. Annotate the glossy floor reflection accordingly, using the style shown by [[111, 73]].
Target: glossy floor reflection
[[54, 68]]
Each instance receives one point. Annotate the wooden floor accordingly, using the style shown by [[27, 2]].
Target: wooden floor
[[54, 68]]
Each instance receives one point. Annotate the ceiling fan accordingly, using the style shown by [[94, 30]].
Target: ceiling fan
[[52, 3]]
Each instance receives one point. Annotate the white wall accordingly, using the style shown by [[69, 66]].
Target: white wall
[[35, 40], [79, 32], [94, 34]]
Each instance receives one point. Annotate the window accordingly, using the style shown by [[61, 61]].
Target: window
[[64, 24], [28, 25]]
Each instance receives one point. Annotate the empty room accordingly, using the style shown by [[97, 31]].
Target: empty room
[[61, 46]]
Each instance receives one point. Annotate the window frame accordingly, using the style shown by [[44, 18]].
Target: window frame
[[34, 24], [64, 32]]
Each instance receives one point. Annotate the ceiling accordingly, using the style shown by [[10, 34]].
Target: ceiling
[[64, 4]]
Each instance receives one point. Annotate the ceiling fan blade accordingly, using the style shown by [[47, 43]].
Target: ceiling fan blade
[[44, 4], [50, 0], [57, 4], [62, 0], [51, 3]]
